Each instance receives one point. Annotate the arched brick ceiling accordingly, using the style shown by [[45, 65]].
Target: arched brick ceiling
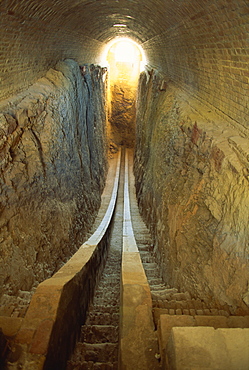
[[144, 19], [202, 45]]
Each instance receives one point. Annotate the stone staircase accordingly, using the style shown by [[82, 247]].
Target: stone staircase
[[168, 300], [181, 308], [15, 306], [98, 344]]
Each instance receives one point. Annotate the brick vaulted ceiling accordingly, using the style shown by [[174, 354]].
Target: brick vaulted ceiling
[[144, 19], [203, 45]]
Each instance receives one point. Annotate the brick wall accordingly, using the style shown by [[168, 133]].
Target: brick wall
[[201, 44], [208, 54], [29, 47]]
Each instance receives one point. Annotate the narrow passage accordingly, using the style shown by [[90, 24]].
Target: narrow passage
[[98, 345]]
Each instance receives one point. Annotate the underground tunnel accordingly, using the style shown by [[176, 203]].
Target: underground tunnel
[[161, 88]]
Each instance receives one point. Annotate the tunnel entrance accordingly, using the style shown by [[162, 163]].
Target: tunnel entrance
[[125, 61]]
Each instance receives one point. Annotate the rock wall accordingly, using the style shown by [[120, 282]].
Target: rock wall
[[192, 173], [53, 166], [122, 117]]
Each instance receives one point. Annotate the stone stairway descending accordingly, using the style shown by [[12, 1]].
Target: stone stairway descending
[[98, 344], [166, 300]]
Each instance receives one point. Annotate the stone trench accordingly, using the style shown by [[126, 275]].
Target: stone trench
[[62, 123]]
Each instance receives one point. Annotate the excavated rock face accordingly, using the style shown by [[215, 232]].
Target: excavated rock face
[[123, 113], [52, 157], [192, 187]]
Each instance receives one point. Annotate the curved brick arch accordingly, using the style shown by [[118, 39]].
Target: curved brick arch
[[202, 45]]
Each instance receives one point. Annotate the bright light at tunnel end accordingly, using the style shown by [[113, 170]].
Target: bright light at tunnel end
[[125, 51]]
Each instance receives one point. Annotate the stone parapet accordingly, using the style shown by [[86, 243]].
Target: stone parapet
[[138, 344], [47, 334]]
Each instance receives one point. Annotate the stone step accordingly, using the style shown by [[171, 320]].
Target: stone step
[[147, 258], [154, 281], [151, 273], [165, 293], [90, 365], [103, 299], [99, 334], [144, 248], [151, 266], [97, 352], [217, 320], [102, 318], [109, 284], [106, 290], [157, 287], [179, 308], [107, 308]]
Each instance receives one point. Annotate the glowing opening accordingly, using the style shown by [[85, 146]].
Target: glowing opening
[[124, 50], [125, 60]]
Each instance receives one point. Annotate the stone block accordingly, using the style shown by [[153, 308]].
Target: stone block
[[167, 322], [157, 312], [192, 311], [185, 312], [138, 345], [213, 321], [207, 348], [10, 325], [178, 311], [236, 342], [41, 338], [238, 321]]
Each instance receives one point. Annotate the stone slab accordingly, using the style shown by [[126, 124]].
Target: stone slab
[[138, 344], [238, 321], [207, 348], [167, 322], [212, 321]]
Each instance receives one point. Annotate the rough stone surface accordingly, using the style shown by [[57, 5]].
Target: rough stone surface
[[52, 158], [122, 117], [192, 187]]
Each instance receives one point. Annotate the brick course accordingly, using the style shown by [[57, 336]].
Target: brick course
[[29, 48], [201, 45], [208, 53]]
